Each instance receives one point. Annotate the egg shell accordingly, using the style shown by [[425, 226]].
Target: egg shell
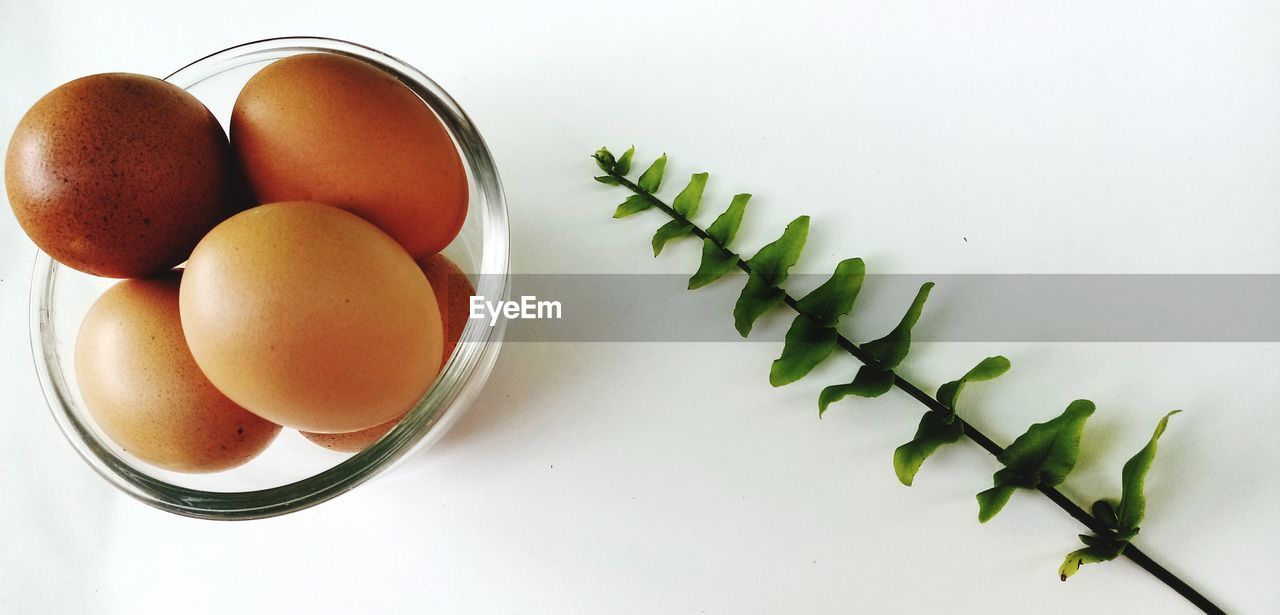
[[352, 441], [338, 130], [143, 388], [453, 293], [311, 317], [119, 175]]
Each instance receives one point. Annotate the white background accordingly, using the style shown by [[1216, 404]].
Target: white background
[[927, 137]]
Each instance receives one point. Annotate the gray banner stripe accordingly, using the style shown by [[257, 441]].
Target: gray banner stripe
[[962, 308]]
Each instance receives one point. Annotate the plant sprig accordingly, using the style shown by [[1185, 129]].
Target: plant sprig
[[1039, 459]]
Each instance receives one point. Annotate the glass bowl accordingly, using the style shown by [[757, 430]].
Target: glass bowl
[[292, 473]]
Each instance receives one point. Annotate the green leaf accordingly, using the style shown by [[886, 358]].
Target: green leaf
[[757, 298], [1092, 541], [623, 166], [992, 501], [948, 392], [807, 345], [1124, 520], [831, 395], [1105, 513], [686, 203], [934, 431], [1044, 455], [1047, 452], [769, 268], [606, 180], [891, 349], [829, 302], [869, 382], [715, 263], [989, 368], [634, 204], [651, 179], [1098, 552], [725, 227], [671, 230], [773, 262], [1133, 502], [604, 159]]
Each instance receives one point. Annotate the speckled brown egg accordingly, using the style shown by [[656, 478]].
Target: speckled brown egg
[[340, 131], [141, 385], [453, 294], [311, 317], [119, 175]]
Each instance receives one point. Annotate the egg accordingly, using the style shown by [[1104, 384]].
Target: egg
[[311, 317], [340, 131], [352, 441], [142, 386], [119, 175], [453, 293]]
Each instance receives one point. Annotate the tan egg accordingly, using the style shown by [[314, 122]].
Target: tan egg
[[453, 294], [311, 317], [119, 175], [352, 441], [338, 130], [143, 388]]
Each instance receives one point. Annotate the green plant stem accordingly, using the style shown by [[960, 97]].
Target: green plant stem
[[1131, 551]]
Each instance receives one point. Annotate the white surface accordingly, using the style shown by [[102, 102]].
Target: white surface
[[1077, 137]]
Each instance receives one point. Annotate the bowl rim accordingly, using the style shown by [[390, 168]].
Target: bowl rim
[[459, 380]]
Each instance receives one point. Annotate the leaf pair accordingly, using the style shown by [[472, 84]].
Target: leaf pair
[[686, 204], [649, 181], [769, 269], [887, 352], [1043, 456], [939, 428], [988, 369], [718, 260], [621, 166], [812, 335], [1123, 521]]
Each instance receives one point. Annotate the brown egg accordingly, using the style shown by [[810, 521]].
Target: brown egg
[[453, 294], [352, 441], [311, 317], [118, 175], [145, 391], [337, 130]]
